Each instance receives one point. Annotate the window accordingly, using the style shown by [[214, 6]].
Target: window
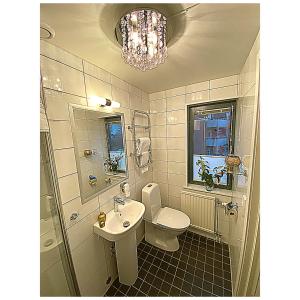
[[211, 138], [115, 142]]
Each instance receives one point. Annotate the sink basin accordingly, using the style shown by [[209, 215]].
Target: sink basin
[[114, 230], [124, 237]]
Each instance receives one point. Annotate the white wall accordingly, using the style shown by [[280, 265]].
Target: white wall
[[69, 79], [247, 107], [169, 132]]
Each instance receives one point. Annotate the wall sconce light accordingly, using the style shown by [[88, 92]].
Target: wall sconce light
[[101, 101]]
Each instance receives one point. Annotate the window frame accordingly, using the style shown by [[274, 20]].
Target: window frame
[[190, 132], [108, 121]]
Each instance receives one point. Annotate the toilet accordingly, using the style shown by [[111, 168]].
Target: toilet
[[162, 224]]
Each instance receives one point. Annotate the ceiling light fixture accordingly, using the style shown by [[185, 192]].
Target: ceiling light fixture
[[144, 38]]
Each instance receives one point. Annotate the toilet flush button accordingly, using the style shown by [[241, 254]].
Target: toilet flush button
[[149, 185]]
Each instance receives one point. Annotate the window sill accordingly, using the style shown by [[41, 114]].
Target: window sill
[[215, 191]]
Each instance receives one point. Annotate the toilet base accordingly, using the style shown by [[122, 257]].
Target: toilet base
[[165, 239]]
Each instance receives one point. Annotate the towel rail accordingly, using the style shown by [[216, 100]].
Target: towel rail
[[147, 127]]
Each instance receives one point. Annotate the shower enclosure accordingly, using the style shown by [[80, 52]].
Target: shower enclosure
[[57, 276]]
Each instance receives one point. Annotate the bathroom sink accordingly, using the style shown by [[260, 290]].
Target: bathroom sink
[[114, 230]]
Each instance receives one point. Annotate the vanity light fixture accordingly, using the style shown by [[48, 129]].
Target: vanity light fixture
[[144, 36], [101, 101]]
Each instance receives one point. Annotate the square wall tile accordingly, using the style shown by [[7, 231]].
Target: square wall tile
[[196, 87], [176, 168], [61, 134], [134, 90], [160, 177], [175, 179], [178, 130], [96, 87], [65, 162], [175, 143], [197, 97], [158, 119], [60, 55], [159, 155], [69, 188], [162, 166], [223, 93], [158, 131], [225, 81], [176, 116], [174, 190], [158, 106], [82, 230], [157, 95], [60, 77], [120, 96], [159, 143], [95, 71], [176, 155], [119, 83], [57, 104], [136, 102], [175, 92], [75, 206], [176, 103]]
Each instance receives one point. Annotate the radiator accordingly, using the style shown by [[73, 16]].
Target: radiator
[[200, 209]]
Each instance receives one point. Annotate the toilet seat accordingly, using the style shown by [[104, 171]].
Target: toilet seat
[[171, 218]]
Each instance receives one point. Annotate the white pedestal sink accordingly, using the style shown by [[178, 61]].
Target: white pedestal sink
[[124, 237]]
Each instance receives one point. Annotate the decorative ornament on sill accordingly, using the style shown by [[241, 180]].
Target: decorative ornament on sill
[[231, 162], [144, 34]]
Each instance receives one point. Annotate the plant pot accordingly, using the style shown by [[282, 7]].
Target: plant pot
[[209, 188]]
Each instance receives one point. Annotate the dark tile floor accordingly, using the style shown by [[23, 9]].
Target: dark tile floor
[[201, 267]]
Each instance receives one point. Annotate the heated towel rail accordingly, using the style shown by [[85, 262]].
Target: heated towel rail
[[147, 129]]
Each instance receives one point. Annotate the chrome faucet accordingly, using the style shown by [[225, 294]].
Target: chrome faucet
[[118, 200]]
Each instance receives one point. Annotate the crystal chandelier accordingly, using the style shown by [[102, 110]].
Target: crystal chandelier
[[144, 38]]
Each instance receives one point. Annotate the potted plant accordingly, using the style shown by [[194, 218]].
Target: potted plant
[[204, 174], [208, 178]]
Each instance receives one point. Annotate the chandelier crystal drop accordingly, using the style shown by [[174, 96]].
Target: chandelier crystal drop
[[144, 38]]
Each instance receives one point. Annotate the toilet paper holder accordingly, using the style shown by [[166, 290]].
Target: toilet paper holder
[[231, 209]]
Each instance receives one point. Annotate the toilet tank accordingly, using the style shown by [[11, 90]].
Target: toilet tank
[[151, 199]]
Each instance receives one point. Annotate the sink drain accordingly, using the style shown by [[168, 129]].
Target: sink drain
[[126, 223]]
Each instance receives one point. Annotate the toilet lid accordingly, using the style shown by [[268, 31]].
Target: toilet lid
[[172, 218]]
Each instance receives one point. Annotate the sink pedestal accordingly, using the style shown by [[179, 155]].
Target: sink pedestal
[[127, 261]]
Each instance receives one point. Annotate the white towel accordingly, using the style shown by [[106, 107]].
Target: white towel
[[142, 145], [144, 158]]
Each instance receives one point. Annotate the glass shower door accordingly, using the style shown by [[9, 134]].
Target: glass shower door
[[56, 272]]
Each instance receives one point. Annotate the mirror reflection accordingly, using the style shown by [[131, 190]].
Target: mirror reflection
[[100, 150]]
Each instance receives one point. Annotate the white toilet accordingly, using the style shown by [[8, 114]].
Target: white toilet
[[162, 225]]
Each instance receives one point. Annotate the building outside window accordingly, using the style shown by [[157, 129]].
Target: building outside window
[[211, 138]]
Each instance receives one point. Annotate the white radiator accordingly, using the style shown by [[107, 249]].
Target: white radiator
[[200, 209]]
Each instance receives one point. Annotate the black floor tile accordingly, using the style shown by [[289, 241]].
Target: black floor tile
[[200, 268]]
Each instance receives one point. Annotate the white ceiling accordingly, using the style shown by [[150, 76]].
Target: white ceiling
[[215, 41]]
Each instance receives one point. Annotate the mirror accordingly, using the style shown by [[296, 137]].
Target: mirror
[[100, 149]]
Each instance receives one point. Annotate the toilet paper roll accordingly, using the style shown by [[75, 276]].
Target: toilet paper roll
[[126, 190]]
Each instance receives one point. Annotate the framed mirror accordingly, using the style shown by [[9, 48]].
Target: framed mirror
[[100, 149]]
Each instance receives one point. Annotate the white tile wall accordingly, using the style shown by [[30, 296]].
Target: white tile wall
[[168, 109], [60, 77], [96, 87], [176, 102], [69, 188], [95, 71], [63, 81], [61, 134], [65, 162]]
